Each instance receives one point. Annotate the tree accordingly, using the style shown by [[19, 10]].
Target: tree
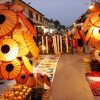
[[63, 27], [57, 23], [51, 20]]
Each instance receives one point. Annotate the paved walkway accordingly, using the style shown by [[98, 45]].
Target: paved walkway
[[70, 82]]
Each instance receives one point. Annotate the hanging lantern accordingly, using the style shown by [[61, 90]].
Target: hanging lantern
[[97, 44], [9, 49], [17, 35], [89, 34], [22, 77], [31, 82], [94, 7], [95, 19], [17, 8], [34, 50], [96, 33], [91, 42], [10, 70], [8, 20], [87, 23], [97, 54], [27, 64], [3, 7], [93, 37], [27, 24]]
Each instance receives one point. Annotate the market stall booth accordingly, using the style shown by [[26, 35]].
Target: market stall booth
[[91, 27], [16, 48]]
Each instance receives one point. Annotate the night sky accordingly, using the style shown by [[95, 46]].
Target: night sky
[[66, 11]]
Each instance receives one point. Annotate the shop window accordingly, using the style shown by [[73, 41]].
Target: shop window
[[30, 14], [41, 19], [37, 17]]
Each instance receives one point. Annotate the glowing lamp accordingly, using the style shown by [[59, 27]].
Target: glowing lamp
[[43, 48], [96, 33], [91, 7]]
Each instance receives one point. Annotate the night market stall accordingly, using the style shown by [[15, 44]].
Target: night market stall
[[17, 48], [91, 28]]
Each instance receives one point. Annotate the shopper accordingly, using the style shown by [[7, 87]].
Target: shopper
[[80, 40]]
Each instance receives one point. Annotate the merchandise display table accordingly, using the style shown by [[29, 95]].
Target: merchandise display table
[[47, 65]]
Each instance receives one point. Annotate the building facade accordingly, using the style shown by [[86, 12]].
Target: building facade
[[49, 26], [35, 17]]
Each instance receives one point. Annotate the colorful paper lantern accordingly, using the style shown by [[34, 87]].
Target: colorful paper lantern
[[3, 7], [40, 78], [47, 80], [93, 37], [31, 82], [87, 23], [8, 20], [97, 44], [96, 33], [17, 8], [27, 64], [34, 50], [17, 35], [89, 33], [27, 24], [95, 19], [22, 77], [8, 49], [97, 54], [10, 70]]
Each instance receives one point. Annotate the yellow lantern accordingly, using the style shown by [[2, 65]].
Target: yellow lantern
[[17, 35], [27, 64], [95, 19], [96, 33], [34, 50], [8, 49]]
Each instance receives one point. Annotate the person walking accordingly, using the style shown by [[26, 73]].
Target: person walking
[[80, 40]]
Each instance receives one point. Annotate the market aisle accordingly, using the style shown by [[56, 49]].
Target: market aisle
[[70, 82]]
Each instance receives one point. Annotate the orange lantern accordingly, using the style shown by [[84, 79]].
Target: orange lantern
[[95, 19], [22, 77], [10, 70], [15, 7], [47, 80], [17, 35], [2, 7], [28, 24], [87, 23], [97, 54], [31, 82], [9, 49], [97, 44], [96, 33], [8, 20], [40, 78], [34, 50]]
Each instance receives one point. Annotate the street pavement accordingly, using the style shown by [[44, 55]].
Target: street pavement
[[70, 82]]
